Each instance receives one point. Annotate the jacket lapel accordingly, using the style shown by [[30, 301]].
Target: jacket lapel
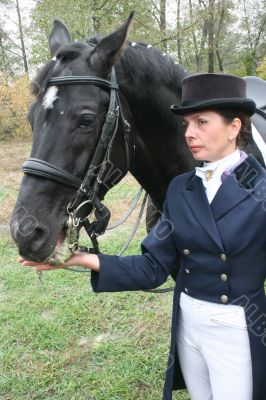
[[236, 187], [229, 195], [196, 198]]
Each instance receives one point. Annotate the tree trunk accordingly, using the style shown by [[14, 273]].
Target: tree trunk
[[202, 44], [163, 23], [21, 35], [3, 65], [218, 35], [211, 36], [96, 24], [178, 30], [194, 36], [220, 61]]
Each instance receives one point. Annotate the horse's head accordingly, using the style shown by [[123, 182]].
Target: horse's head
[[68, 118]]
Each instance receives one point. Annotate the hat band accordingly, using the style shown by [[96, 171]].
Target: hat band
[[218, 101]]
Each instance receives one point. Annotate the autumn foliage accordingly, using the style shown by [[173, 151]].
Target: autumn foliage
[[15, 98], [261, 70]]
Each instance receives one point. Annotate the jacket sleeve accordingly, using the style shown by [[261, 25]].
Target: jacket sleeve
[[138, 272]]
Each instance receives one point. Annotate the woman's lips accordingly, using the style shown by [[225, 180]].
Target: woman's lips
[[195, 148]]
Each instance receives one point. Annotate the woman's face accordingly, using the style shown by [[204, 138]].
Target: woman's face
[[208, 136]]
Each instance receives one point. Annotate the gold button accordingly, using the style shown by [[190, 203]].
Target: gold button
[[223, 257], [224, 277], [186, 252], [186, 290], [224, 298], [187, 270]]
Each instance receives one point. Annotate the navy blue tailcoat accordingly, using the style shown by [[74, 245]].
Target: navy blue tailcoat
[[226, 237]]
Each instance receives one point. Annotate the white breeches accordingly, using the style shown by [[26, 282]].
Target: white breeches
[[214, 351]]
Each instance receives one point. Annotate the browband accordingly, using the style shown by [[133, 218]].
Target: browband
[[78, 80]]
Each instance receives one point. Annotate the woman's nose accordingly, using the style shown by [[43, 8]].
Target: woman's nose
[[190, 132]]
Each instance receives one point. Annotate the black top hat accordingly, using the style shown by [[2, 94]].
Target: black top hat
[[214, 91]]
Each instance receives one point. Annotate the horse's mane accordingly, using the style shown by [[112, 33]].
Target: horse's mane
[[144, 63], [150, 65], [141, 63]]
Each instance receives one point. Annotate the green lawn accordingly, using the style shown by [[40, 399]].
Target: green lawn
[[59, 340]]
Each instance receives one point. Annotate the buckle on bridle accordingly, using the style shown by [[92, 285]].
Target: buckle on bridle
[[83, 189], [72, 231], [73, 247]]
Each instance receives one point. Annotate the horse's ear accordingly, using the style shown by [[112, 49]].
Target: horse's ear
[[58, 36], [110, 47]]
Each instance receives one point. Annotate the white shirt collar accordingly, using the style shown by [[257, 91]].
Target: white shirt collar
[[226, 162], [217, 167]]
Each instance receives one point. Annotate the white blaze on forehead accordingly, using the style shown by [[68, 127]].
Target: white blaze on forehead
[[50, 97]]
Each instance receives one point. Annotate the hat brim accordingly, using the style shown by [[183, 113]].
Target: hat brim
[[245, 104]]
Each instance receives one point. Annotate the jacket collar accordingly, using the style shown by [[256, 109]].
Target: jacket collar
[[236, 188]]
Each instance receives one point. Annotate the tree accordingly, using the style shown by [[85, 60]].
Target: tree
[[210, 19], [88, 18], [254, 26], [21, 37], [178, 31], [4, 64], [159, 13], [13, 55], [14, 103], [261, 70], [204, 32]]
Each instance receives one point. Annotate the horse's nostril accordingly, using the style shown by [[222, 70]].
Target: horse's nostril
[[28, 235], [34, 239], [38, 233], [39, 237]]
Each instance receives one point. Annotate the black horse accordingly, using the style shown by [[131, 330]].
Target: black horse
[[76, 93]]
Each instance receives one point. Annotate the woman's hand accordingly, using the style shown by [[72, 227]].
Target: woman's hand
[[90, 261]]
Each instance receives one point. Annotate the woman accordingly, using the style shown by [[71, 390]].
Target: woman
[[213, 221]]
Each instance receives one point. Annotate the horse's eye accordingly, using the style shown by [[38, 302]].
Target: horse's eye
[[63, 59], [86, 120]]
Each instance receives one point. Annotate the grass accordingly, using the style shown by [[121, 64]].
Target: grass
[[59, 340]]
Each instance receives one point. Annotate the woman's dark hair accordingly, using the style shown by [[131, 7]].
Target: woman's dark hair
[[243, 137]]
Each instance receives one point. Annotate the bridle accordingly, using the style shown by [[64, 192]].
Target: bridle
[[88, 188]]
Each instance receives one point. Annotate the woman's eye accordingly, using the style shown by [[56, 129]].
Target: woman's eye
[[202, 122], [86, 120]]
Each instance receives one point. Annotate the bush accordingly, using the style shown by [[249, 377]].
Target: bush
[[15, 98], [261, 70]]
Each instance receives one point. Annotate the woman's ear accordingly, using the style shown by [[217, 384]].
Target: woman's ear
[[235, 127]]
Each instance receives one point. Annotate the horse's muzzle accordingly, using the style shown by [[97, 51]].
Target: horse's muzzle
[[34, 241]]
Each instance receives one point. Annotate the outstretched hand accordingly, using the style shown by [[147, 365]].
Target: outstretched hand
[[90, 261]]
